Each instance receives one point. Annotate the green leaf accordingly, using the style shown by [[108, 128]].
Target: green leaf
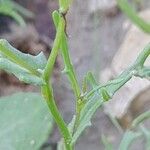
[[26, 67], [19, 72], [25, 122], [8, 51], [127, 140], [96, 98]]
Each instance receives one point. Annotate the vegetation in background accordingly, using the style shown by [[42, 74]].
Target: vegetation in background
[[14, 10], [38, 71]]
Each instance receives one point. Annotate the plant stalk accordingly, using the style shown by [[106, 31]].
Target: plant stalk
[[47, 93], [69, 70], [50, 64], [47, 90]]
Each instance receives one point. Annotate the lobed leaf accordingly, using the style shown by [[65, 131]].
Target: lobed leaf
[[8, 51], [26, 67], [21, 73]]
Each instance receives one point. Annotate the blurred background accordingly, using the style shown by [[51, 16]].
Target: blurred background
[[102, 40]]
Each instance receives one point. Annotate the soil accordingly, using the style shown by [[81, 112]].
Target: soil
[[93, 41]]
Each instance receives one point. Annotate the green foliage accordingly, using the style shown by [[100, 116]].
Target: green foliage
[[25, 122], [35, 70], [132, 15], [26, 67], [12, 9]]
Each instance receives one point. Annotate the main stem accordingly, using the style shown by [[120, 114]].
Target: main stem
[[54, 52], [47, 93], [47, 90]]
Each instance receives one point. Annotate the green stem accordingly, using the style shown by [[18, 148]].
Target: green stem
[[47, 93], [140, 119], [127, 74], [143, 56], [69, 70], [50, 64], [127, 9]]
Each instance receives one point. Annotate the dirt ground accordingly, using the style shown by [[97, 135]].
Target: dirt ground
[[93, 41]]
